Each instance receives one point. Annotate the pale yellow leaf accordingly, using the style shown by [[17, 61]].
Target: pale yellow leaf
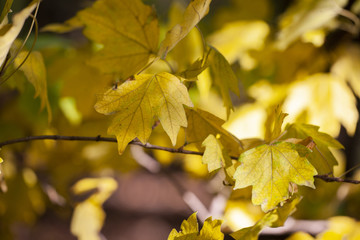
[[327, 101], [136, 103], [9, 32], [213, 154], [270, 169], [35, 71], [127, 29], [304, 16], [194, 12]]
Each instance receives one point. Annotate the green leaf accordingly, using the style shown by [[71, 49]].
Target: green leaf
[[5, 10], [202, 123], [9, 32], [223, 77], [88, 217], [275, 218], [136, 103], [194, 12], [127, 29], [270, 169], [321, 157], [305, 16], [35, 71], [190, 231]]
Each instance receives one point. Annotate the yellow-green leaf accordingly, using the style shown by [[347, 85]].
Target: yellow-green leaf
[[35, 71], [223, 77], [305, 16], [213, 156], [273, 125], [194, 12], [136, 103], [127, 29], [202, 123], [67, 26], [88, 217], [9, 32], [270, 169], [275, 218], [321, 157], [190, 230]]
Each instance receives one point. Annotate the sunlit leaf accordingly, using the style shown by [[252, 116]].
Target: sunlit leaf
[[216, 157], [273, 125], [306, 15], [202, 123], [88, 217], [321, 157], [194, 12], [128, 29], [223, 77], [327, 101], [275, 218], [136, 103], [9, 32], [35, 71], [236, 39], [270, 169], [211, 230]]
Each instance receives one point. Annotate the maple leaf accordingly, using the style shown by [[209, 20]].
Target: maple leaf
[[128, 29], [270, 168], [202, 123], [35, 71], [137, 102], [223, 77], [275, 218], [9, 32], [305, 16], [211, 230], [321, 157], [194, 12]]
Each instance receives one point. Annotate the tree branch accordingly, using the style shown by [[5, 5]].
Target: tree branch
[[181, 150]]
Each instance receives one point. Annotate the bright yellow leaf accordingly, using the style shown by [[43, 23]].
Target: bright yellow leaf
[[137, 102], [211, 230], [236, 39], [300, 236], [127, 29], [9, 32], [270, 169], [306, 15], [35, 71], [194, 12], [327, 101]]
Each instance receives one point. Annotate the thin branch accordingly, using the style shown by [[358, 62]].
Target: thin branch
[[181, 150], [327, 178]]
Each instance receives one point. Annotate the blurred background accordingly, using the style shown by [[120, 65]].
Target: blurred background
[[312, 73]]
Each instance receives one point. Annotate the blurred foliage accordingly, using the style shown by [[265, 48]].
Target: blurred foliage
[[246, 59]]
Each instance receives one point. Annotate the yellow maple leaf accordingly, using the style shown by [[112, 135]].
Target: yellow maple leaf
[[194, 12], [136, 103], [127, 29], [270, 169]]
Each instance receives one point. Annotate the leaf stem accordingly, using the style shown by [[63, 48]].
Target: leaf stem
[[181, 150]]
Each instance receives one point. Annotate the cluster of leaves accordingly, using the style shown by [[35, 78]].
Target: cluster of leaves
[[153, 89]]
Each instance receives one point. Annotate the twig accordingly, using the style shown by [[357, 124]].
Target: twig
[[327, 178], [181, 150]]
